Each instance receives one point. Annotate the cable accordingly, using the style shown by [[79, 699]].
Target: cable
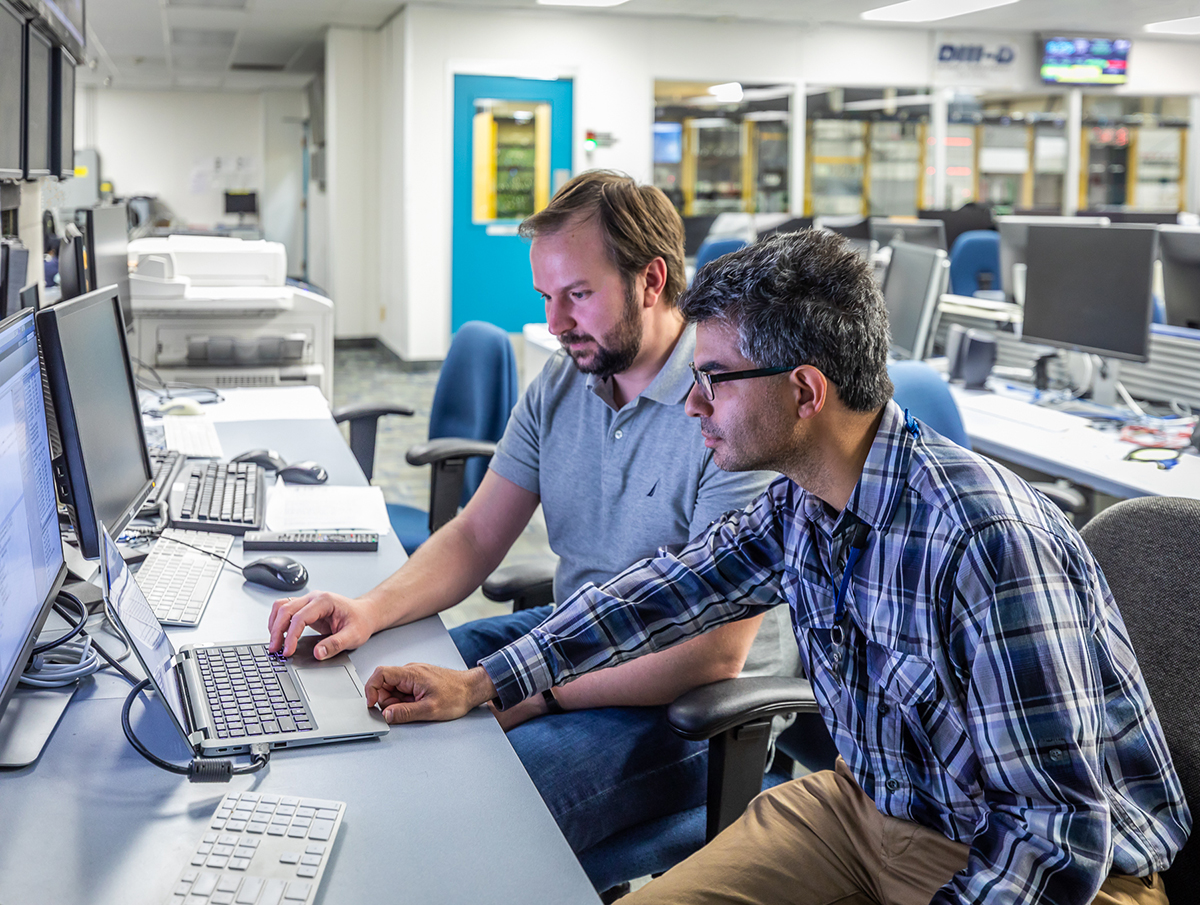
[[200, 769], [75, 629], [68, 659]]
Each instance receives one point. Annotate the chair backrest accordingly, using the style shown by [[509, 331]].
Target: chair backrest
[[714, 248], [476, 392], [926, 395], [1147, 549], [975, 251]]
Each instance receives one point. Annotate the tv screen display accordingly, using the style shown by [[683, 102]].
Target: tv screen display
[[668, 142], [63, 138], [39, 104], [1085, 61], [12, 79]]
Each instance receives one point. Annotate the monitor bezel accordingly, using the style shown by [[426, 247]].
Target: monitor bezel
[[33, 172], [934, 288], [62, 120], [92, 261], [9, 687], [71, 471], [18, 172]]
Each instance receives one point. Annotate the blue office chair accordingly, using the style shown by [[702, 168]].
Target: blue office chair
[[975, 252], [476, 392], [711, 249], [926, 395]]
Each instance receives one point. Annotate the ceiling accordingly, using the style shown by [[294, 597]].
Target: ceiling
[[261, 44]]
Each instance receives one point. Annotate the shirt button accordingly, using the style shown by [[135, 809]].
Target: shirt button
[[883, 709], [619, 434], [892, 785]]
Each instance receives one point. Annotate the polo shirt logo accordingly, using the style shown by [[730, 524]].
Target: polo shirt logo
[[652, 489]]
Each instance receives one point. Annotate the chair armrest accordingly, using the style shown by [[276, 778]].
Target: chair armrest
[[1068, 499], [720, 706], [527, 585], [364, 422], [447, 448]]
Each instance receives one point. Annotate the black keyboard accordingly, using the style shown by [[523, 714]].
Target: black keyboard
[[250, 692], [226, 497], [165, 465]]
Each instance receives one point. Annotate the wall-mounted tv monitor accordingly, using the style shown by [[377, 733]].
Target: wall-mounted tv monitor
[[1085, 61], [62, 131], [668, 143], [39, 102], [12, 91]]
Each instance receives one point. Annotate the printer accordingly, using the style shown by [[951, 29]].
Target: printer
[[217, 311]]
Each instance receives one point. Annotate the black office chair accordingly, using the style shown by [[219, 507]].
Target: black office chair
[[476, 392], [1147, 549]]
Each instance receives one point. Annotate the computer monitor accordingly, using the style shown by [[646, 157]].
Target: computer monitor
[[31, 297], [695, 231], [1155, 217], [106, 230], [241, 202], [966, 218], [1090, 288], [1014, 238], [12, 91], [794, 225], [915, 280], [33, 569], [62, 132], [39, 102], [72, 267], [14, 267], [1179, 249], [852, 227], [105, 474], [930, 233]]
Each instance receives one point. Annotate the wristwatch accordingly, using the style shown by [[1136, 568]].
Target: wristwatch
[[552, 705]]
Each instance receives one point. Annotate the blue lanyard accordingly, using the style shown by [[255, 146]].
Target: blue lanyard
[[862, 534]]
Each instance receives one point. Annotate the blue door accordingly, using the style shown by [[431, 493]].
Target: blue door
[[512, 149]]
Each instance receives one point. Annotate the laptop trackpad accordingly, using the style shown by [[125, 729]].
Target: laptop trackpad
[[329, 684]]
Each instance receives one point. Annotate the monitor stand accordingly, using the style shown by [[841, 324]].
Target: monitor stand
[[28, 722], [1105, 382], [80, 568]]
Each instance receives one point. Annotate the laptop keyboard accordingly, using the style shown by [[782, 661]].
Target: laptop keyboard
[[178, 580], [261, 849], [250, 692]]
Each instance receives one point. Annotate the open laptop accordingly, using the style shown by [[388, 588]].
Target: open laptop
[[225, 697]]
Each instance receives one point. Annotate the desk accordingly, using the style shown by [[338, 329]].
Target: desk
[[440, 812], [1082, 454]]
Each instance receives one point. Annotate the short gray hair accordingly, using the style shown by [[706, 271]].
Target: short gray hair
[[802, 298]]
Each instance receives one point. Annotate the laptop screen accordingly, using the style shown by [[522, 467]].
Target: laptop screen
[[131, 610]]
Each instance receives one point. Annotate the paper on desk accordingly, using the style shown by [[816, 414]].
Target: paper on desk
[[270, 404], [292, 507]]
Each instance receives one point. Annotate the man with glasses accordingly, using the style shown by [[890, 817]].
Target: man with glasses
[[601, 440], [997, 740]]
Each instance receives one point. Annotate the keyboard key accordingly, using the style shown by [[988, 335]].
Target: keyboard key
[[221, 898], [217, 862], [311, 860], [297, 890], [205, 884], [272, 892], [256, 826], [289, 858], [306, 871], [321, 830], [239, 864], [228, 884], [249, 891], [315, 848]]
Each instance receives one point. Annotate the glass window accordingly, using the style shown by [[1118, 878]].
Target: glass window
[[1133, 151], [511, 148]]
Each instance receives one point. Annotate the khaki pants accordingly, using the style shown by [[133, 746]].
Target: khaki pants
[[821, 840]]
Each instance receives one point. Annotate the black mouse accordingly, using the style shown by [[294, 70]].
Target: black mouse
[[280, 572], [264, 458], [304, 473]]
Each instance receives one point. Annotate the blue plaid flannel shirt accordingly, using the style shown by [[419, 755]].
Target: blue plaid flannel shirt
[[985, 688]]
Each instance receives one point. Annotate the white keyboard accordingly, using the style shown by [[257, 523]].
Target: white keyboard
[[1025, 413], [178, 580], [192, 435], [261, 850]]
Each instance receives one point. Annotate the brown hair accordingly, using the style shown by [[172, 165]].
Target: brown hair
[[638, 221]]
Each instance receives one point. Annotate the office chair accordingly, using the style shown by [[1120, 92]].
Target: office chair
[[921, 390], [1147, 549], [711, 249], [476, 392], [975, 255]]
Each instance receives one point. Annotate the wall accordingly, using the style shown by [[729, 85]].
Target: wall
[[614, 61]]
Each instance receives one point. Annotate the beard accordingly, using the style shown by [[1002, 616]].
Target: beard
[[617, 349]]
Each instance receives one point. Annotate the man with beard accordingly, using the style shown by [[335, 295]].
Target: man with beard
[[602, 441]]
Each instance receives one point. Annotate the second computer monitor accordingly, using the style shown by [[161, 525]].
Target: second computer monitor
[[107, 231], [1089, 289], [930, 233], [913, 284], [107, 472], [1179, 248], [1014, 239]]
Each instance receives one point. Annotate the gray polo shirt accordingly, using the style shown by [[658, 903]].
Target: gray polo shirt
[[616, 485]]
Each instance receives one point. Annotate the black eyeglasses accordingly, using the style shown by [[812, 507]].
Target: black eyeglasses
[[705, 380]]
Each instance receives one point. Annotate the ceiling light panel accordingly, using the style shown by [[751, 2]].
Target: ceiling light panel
[[930, 10], [203, 38], [593, 3], [207, 4], [1188, 26]]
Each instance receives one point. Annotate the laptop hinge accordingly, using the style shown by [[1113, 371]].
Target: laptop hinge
[[184, 666]]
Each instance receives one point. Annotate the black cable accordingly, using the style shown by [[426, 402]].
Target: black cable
[[75, 629], [113, 662], [200, 769]]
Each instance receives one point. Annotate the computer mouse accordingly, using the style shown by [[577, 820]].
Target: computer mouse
[[304, 473], [181, 405], [280, 572], [263, 458]]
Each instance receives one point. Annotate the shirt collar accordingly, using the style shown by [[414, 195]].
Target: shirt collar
[[671, 384]]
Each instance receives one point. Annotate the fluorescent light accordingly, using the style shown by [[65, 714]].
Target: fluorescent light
[[930, 10], [727, 92], [581, 2], [1188, 26]]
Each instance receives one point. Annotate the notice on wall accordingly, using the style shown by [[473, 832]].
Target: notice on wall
[[981, 59], [223, 173]]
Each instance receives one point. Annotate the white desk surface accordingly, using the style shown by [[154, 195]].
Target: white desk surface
[[1084, 455], [440, 812]]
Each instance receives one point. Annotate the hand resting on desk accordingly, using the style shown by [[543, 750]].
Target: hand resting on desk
[[348, 623], [420, 692]]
